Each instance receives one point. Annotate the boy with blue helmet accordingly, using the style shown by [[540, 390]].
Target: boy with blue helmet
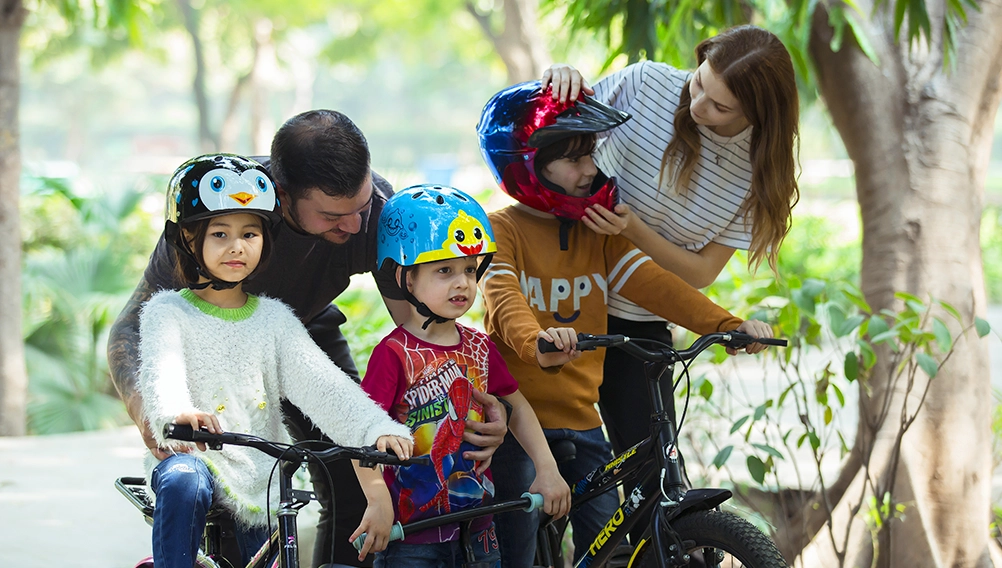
[[431, 373]]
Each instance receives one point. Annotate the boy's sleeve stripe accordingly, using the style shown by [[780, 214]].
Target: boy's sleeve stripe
[[492, 273], [622, 262], [496, 265], [629, 272]]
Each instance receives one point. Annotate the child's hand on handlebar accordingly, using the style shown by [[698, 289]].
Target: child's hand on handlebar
[[197, 419], [402, 447], [555, 491], [377, 521], [753, 328], [565, 339]]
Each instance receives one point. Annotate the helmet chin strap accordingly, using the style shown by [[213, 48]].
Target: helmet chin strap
[[422, 308], [216, 283]]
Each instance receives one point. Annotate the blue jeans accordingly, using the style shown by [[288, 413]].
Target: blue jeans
[[441, 554], [184, 486], [513, 474]]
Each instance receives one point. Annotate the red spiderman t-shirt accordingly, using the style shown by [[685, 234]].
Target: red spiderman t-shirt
[[429, 388]]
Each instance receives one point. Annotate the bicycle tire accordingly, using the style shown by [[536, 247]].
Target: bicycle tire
[[724, 537]]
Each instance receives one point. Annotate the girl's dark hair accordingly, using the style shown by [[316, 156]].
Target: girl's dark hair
[[185, 270], [573, 147], [757, 69]]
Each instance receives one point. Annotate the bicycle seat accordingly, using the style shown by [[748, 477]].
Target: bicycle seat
[[563, 450]]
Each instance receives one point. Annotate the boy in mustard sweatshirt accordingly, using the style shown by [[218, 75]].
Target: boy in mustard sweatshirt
[[551, 278]]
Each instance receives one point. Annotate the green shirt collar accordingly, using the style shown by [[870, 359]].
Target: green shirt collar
[[229, 314]]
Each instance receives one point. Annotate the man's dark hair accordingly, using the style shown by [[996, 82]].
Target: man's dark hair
[[573, 147], [319, 149]]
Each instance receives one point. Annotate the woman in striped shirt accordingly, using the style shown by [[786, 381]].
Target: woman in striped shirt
[[706, 166]]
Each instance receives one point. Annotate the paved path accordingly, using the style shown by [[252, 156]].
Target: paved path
[[59, 506]]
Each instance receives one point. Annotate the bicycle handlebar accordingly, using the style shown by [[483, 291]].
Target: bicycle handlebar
[[732, 339], [368, 455], [528, 502]]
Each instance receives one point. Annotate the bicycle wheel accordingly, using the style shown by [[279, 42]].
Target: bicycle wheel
[[716, 539]]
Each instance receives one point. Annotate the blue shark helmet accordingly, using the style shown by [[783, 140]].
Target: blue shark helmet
[[214, 185], [428, 223]]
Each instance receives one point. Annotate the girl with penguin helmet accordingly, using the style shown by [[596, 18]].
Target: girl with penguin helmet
[[210, 186]]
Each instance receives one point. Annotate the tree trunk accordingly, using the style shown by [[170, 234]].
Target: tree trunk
[[261, 129], [206, 141], [13, 375], [519, 45], [919, 138]]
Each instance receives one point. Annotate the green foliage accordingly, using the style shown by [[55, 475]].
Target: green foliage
[[368, 322], [669, 30], [82, 259], [991, 252]]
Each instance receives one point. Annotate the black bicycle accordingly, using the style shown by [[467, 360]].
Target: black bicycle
[[282, 549], [686, 527]]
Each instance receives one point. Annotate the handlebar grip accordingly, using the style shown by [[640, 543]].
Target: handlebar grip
[[535, 501], [182, 432], [396, 533], [544, 346], [772, 341]]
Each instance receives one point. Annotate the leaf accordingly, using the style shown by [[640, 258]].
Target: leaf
[[982, 327], [803, 301], [876, 326], [839, 395], [949, 307], [828, 415], [756, 468], [722, 455], [782, 395], [886, 336], [800, 440], [944, 340], [769, 450], [927, 363], [706, 389], [851, 366], [863, 40], [740, 422], [815, 441]]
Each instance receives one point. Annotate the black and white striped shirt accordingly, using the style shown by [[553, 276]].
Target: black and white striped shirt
[[711, 209]]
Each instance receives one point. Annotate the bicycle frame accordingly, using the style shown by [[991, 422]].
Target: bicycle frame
[[655, 461], [285, 539]]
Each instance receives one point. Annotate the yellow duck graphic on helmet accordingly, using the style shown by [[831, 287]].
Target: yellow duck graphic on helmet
[[467, 237]]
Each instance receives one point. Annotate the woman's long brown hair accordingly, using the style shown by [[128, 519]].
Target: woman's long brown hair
[[756, 68]]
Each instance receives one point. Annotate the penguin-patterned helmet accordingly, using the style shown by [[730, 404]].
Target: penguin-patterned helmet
[[426, 223], [219, 184]]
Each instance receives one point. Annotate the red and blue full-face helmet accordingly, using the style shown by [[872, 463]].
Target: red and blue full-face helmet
[[523, 118]]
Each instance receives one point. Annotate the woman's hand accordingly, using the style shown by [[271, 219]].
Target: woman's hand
[[615, 222], [567, 82], [565, 339], [555, 491], [196, 419], [402, 447], [753, 328]]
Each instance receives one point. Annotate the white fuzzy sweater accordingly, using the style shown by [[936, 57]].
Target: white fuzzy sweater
[[239, 363]]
